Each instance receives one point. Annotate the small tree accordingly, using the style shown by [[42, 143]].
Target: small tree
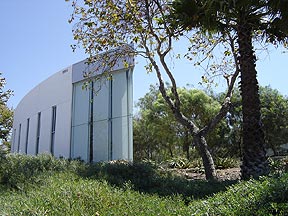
[[103, 25], [274, 110], [274, 117], [6, 114], [160, 130]]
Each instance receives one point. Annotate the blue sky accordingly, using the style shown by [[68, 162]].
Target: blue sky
[[35, 42]]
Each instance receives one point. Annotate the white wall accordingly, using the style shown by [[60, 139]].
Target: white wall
[[111, 107], [56, 90]]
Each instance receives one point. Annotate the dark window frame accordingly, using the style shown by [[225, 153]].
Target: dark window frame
[[38, 132], [19, 139], [53, 129], [27, 136]]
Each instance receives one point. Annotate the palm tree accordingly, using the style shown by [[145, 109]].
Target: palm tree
[[244, 17]]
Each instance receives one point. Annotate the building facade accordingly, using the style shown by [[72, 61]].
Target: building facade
[[63, 117]]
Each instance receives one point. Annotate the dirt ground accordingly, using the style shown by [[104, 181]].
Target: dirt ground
[[222, 174]]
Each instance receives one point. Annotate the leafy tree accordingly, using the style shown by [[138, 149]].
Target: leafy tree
[[157, 129], [109, 24], [6, 114], [248, 19], [153, 129], [232, 138], [274, 110], [274, 117]]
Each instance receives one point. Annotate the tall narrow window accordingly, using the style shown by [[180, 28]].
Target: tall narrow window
[[110, 116], [38, 132], [19, 138], [27, 136], [91, 123], [53, 128], [14, 140]]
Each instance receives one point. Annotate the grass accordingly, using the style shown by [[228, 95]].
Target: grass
[[43, 185]]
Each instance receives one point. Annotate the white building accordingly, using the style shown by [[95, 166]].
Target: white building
[[60, 117]]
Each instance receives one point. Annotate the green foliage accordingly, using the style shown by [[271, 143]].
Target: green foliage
[[122, 188], [179, 162], [6, 114], [223, 16], [148, 178], [17, 170], [267, 196], [159, 136], [227, 162], [246, 20], [278, 165], [274, 117], [67, 194], [184, 163], [20, 171], [274, 110]]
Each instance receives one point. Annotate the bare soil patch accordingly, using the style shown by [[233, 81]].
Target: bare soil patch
[[222, 174]]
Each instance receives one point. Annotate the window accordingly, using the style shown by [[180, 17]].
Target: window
[[38, 132], [14, 139], [91, 96], [53, 127], [19, 138], [110, 116], [27, 136]]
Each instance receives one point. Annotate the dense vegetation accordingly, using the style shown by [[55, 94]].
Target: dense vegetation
[[43, 185], [159, 136], [6, 113]]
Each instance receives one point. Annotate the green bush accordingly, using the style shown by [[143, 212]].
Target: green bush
[[124, 188], [227, 162], [267, 196], [278, 165], [179, 162], [17, 169], [220, 163], [148, 178], [67, 194]]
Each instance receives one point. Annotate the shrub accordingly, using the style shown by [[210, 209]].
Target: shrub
[[125, 188], [67, 194], [267, 196], [148, 178], [17, 169], [227, 162], [278, 165], [179, 162]]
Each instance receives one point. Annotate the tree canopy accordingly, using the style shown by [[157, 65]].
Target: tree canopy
[[6, 114], [158, 135]]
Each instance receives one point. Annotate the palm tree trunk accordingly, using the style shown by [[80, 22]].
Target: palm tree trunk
[[208, 163], [255, 161]]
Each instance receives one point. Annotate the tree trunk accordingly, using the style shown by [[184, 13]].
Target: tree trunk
[[255, 161], [208, 163], [170, 151], [186, 144]]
